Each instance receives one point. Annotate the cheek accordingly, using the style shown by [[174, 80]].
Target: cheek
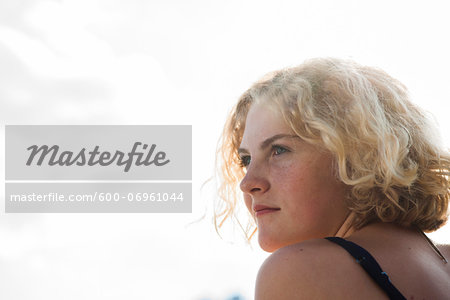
[[303, 186], [290, 177]]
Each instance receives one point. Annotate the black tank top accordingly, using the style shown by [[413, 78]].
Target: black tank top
[[370, 265]]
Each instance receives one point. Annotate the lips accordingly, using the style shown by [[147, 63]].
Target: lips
[[263, 209]]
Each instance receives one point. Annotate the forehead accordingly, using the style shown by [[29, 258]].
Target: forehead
[[263, 122]]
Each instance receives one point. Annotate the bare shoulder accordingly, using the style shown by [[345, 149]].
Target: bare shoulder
[[315, 269]]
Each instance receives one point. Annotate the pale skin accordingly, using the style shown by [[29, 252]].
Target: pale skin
[[298, 201]]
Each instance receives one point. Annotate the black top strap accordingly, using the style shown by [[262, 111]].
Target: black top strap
[[370, 265]]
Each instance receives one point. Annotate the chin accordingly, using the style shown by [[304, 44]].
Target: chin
[[269, 245]]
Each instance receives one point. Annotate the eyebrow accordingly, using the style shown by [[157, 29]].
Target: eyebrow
[[269, 141]]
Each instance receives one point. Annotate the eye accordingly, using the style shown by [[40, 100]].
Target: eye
[[244, 160], [277, 149]]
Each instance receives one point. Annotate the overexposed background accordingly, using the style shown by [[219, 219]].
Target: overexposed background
[[177, 62]]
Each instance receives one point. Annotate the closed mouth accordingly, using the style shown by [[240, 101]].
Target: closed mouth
[[262, 209], [258, 208], [267, 209]]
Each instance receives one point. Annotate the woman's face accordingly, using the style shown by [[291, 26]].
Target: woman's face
[[289, 187]]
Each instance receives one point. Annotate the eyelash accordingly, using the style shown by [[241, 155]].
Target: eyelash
[[245, 160], [277, 147]]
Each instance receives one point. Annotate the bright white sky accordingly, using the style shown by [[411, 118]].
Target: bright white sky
[[177, 62]]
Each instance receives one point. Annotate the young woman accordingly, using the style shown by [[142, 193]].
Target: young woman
[[342, 174]]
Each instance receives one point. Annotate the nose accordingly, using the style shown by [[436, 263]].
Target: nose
[[254, 181]]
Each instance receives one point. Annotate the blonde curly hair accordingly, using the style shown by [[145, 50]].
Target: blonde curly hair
[[384, 147]]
